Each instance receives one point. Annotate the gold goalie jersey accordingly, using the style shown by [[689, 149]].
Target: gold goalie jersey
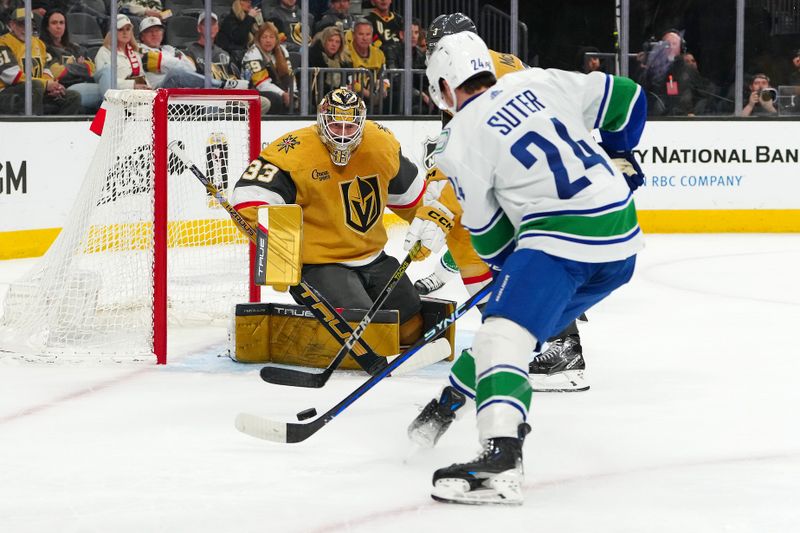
[[342, 205]]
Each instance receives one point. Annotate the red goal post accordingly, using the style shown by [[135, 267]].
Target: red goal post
[[144, 247], [161, 139]]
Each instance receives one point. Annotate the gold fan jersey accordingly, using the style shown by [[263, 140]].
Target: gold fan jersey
[[505, 63], [12, 61], [342, 205]]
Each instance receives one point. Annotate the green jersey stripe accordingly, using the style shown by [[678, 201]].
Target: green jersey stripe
[[505, 384], [610, 224], [623, 95], [494, 239]]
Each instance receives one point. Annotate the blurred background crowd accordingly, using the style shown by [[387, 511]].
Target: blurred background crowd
[[683, 52]]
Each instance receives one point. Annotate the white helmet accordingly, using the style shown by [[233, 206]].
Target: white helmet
[[456, 59]]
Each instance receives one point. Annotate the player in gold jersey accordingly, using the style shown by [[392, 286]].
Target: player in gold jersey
[[460, 257], [343, 171]]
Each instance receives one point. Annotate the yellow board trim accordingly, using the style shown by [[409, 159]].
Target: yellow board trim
[[26, 243], [35, 242], [720, 221], [119, 237]]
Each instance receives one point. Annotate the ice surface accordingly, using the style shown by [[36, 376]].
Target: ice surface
[[691, 424]]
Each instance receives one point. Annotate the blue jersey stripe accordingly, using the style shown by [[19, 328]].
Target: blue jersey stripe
[[602, 103], [593, 210], [603, 242], [456, 385], [507, 402], [492, 221], [509, 367]]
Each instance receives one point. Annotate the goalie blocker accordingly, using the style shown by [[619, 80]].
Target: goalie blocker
[[278, 246], [290, 334]]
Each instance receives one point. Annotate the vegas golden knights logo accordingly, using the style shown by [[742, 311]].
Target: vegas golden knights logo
[[362, 203]]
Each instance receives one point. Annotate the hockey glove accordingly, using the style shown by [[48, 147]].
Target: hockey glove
[[627, 164], [430, 226]]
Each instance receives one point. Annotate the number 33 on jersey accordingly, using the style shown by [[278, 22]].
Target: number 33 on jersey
[[342, 205]]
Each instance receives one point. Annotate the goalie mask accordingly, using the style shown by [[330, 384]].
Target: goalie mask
[[340, 123], [456, 59]]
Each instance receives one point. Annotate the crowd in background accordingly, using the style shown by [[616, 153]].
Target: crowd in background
[[161, 45], [257, 44]]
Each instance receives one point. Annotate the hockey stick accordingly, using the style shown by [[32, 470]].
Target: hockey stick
[[290, 432], [300, 378], [370, 362]]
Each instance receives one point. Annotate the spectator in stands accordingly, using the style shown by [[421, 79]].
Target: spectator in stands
[[222, 69], [387, 27], [270, 70], [48, 95], [166, 67], [588, 63], [238, 28], [286, 17], [141, 8], [706, 98], [338, 15], [365, 54], [420, 98], [761, 98], [417, 45], [667, 79], [69, 62], [794, 77], [328, 50], [41, 7], [130, 73]]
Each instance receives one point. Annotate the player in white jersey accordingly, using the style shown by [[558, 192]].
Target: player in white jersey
[[548, 206]]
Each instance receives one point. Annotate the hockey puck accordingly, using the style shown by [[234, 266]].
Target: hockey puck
[[308, 413]]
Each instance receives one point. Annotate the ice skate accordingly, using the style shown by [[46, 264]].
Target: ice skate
[[494, 477], [428, 284], [426, 430], [445, 269], [560, 368]]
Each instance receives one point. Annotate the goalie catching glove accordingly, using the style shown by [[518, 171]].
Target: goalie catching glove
[[430, 226]]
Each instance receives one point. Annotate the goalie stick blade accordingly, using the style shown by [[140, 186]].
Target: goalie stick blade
[[283, 432], [290, 432], [426, 356], [294, 378]]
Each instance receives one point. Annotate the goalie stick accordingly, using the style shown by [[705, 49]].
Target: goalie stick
[[299, 378], [371, 363], [291, 432]]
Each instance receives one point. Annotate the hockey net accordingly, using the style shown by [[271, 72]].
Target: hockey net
[[144, 247]]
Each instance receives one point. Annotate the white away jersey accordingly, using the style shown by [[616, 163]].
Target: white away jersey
[[529, 174]]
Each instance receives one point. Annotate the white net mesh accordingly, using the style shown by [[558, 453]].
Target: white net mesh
[[92, 293]]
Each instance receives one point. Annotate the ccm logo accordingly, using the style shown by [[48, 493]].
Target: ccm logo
[[440, 218]]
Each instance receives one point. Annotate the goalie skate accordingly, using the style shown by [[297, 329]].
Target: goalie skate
[[495, 477], [560, 368], [428, 284]]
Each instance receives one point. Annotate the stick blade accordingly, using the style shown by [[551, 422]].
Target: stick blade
[[282, 432], [425, 356], [261, 428], [293, 378]]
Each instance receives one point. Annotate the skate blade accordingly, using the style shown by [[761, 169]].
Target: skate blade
[[424, 436], [503, 489], [567, 381]]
